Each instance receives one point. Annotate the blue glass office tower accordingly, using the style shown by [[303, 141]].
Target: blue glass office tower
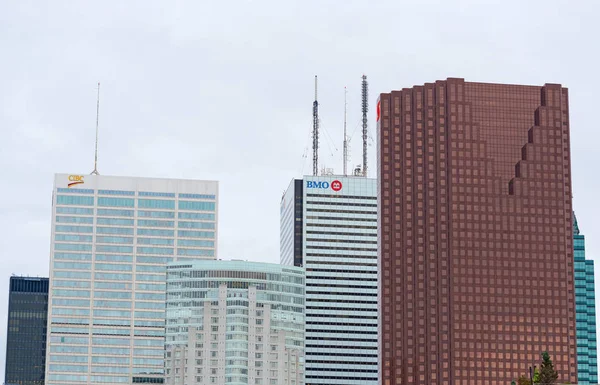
[[587, 362], [112, 238], [26, 334]]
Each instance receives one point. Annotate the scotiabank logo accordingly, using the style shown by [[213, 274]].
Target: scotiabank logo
[[75, 180], [336, 185]]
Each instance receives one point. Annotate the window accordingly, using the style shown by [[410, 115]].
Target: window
[[155, 250], [196, 234], [74, 191], [195, 252], [114, 222], [196, 216], [154, 223], [114, 230], [196, 205], [115, 213], [114, 249], [126, 240], [74, 200], [196, 225], [156, 232], [155, 241], [74, 211], [73, 229], [156, 204], [115, 202], [156, 194], [116, 192], [156, 214], [65, 219]]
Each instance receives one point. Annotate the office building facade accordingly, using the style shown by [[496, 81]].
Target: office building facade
[[234, 322], [475, 233], [585, 305], [112, 238], [329, 226], [26, 332]]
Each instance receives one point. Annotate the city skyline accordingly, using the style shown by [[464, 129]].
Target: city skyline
[[170, 74]]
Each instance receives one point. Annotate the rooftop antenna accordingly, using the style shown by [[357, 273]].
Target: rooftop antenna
[[365, 109], [345, 135], [95, 172], [315, 133]]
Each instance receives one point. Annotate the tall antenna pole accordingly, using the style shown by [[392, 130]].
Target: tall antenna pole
[[345, 134], [365, 109], [95, 172], [315, 132]]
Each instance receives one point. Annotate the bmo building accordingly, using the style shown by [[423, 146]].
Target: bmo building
[[328, 225]]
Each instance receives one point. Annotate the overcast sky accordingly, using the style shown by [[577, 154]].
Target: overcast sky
[[223, 90]]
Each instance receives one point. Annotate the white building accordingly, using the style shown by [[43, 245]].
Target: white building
[[329, 226], [234, 322], [112, 238]]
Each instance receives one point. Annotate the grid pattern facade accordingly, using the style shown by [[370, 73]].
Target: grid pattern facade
[[112, 238], [234, 323], [585, 304], [474, 201], [26, 334], [339, 252]]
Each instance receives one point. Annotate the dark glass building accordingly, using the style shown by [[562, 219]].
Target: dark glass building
[[26, 334], [476, 233], [585, 305]]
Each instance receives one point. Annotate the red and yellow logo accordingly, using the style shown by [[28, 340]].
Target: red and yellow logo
[[75, 180]]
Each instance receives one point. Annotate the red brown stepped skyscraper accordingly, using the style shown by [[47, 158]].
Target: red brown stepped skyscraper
[[475, 228]]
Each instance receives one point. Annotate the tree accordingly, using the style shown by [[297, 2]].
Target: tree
[[547, 373], [523, 380]]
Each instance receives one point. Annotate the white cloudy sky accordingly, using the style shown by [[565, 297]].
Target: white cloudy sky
[[223, 90]]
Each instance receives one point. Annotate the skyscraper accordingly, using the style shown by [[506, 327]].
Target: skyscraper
[[112, 238], [329, 226], [26, 333], [585, 305], [234, 322], [475, 233]]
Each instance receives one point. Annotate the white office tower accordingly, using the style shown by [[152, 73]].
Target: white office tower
[[329, 226], [234, 322], [112, 238]]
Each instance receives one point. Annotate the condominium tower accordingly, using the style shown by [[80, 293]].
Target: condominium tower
[[26, 334], [585, 306], [476, 233], [112, 238], [234, 322], [329, 226]]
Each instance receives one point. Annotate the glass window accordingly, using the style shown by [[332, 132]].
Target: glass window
[[74, 210], [155, 250], [72, 265], [74, 200], [196, 234], [149, 341], [112, 313], [68, 368], [72, 274], [110, 360], [71, 302], [112, 304], [115, 202], [195, 252], [71, 293], [73, 256], [125, 240], [65, 219], [150, 277], [154, 223], [74, 312], [196, 225], [197, 205], [150, 268], [150, 305], [116, 192], [196, 196], [74, 191], [114, 258], [148, 352], [149, 314], [156, 204], [112, 276], [150, 296], [74, 284], [72, 238], [156, 232], [113, 267], [146, 259], [147, 361], [150, 286], [110, 341], [195, 242], [155, 241], [112, 294], [114, 249], [156, 194], [114, 222], [115, 213], [115, 230], [72, 247], [156, 214], [73, 229], [68, 349], [115, 351], [112, 285], [197, 216]]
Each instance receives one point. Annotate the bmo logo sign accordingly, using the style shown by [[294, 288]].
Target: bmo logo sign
[[336, 185]]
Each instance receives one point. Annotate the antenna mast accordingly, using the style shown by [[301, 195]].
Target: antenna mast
[[315, 133], [95, 172], [345, 135], [365, 109]]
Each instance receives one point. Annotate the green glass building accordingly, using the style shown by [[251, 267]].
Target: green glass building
[[587, 365]]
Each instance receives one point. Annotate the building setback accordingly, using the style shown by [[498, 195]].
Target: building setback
[[476, 233], [234, 322], [329, 226], [112, 238], [585, 304], [26, 333]]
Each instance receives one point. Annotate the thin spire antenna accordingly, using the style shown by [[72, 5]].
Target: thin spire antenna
[[365, 109], [345, 133], [95, 172], [315, 133]]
